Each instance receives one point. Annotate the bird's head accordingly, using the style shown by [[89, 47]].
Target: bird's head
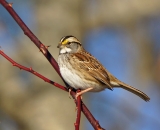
[[69, 44]]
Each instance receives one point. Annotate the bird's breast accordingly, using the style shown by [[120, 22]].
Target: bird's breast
[[74, 77]]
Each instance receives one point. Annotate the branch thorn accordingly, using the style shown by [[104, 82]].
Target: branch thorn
[[47, 46], [10, 4], [42, 49], [30, 69]]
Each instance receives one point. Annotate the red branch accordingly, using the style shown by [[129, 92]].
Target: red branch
[[32, 71], [78, 107], [52, 61]]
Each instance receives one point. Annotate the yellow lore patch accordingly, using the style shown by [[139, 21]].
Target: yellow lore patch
[[65, 42]]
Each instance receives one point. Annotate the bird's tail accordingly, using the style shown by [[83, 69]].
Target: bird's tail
[[134, 91]]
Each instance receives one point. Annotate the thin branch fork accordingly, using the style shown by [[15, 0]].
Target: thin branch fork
[[79, 104], [52, 61], [21, 67]]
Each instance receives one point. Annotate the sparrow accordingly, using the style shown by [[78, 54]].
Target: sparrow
[[83, 71]]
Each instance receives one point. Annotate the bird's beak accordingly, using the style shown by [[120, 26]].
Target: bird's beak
[[59, 45]]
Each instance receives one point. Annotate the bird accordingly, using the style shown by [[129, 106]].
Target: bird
[[84, 72]]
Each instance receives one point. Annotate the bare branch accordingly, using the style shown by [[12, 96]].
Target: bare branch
[[32, 71]]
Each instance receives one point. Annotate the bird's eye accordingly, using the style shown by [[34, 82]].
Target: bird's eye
[[69, 43]]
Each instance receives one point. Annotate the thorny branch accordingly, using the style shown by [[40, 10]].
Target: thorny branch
[[52, 61]]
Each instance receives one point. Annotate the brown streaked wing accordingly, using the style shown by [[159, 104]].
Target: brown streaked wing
[[90, 64]]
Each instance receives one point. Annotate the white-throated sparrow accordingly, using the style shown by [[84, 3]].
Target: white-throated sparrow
[[83, 71]]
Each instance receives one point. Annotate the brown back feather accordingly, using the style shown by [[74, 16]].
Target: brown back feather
[[93, 67]]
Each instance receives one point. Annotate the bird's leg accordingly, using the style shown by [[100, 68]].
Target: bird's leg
[[83, 91]]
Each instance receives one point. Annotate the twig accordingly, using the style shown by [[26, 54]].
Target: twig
[[78, 107], [52, 61], [32, 71]]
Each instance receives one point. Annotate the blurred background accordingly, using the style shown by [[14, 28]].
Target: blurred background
[[124, 35]]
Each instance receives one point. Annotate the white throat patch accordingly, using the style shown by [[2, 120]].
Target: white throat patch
[[65, 50]]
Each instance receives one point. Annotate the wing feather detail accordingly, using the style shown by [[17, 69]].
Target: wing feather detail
[[92, 66]]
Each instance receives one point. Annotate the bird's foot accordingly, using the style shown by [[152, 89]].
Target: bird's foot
[[81, 92]]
